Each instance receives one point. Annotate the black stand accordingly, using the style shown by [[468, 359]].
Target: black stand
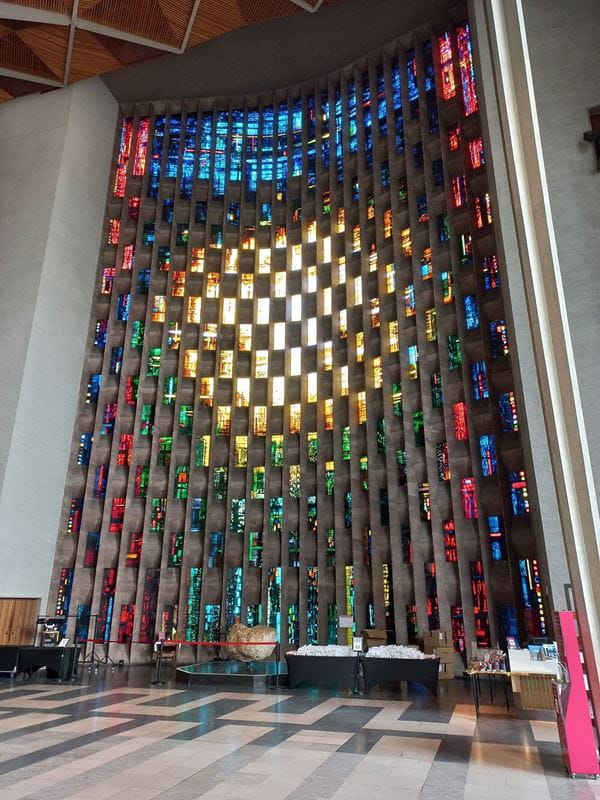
[[159, 652], [94, 660], [476, 687], [277, 666], [219, 650]]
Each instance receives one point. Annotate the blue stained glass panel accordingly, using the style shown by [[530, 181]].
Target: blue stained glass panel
[[220, 154], [480, 380], [397, 102], [352, 127], [266, 145], [487, 454], [93, 388], [251, 169], [508, 412], [497, 538], [143, 281], [158, 139], [235, 146], [311, 143], [123, 307], [471, 312], [381, 102], [85, 449], [325, 112], [339, 141], [205, 147], [367, 120], [189, 153], [413, 88], [297, 121], [173, 148]]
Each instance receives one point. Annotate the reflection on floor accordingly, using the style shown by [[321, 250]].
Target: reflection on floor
[[113, 735]]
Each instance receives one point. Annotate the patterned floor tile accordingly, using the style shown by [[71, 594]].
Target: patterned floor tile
[[112, 735]]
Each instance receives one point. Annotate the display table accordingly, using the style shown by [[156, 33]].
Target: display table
[[9, 659], [475, 677], [343, 671], [339, 670], [532, 680], [395, 670], [60, 662]]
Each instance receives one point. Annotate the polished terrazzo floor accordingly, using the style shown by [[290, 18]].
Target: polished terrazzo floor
[[113, 735]]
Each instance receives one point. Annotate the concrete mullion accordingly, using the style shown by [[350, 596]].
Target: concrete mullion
[[105, 537], [168, 593], [417, 462], [402, 574], [445, 577], [464, 576]]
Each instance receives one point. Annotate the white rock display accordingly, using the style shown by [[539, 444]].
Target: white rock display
[[324, 650], [251, 652], [394, 651]]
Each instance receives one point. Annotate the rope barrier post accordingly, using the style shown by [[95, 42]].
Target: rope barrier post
[[277, 656], [159, 650]]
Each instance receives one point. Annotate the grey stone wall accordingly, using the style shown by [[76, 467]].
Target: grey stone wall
[[55, 161], [564, 48]]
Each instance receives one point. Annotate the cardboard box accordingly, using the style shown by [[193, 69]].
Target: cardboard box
[[373, 637], [446, 672], [436, 639], [445, 654]]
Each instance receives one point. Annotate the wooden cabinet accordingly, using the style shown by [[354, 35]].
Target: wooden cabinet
[[18, 616]]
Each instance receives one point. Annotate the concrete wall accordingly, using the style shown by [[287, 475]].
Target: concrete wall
[[276, 53], [564, 48], [32, 132], [534, 435], [56, 151]]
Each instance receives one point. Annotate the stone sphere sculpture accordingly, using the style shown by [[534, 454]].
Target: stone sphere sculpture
[[251, 652]]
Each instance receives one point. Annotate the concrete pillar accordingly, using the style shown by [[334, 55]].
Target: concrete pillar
[[544, 505], [546, 270], [53, 178]]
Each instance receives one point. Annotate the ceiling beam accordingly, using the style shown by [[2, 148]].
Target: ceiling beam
[[307, 5], [190, 25], [28, 14], [41, 17], [69, 53], [36, 15], [26, 76], [105, 30]]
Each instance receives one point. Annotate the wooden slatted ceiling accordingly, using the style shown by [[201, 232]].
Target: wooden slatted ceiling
[[49, 43], [34, 49], [17, 88], [94, 54], [213, 20], [40, 50], [127, 52], [256, 10], [178, 16], [160, 20], [216, 18], [58, 6]]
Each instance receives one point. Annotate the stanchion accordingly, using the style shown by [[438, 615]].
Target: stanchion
[[92, 659], [159, 650]]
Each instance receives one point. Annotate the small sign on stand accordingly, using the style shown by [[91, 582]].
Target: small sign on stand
[[158, 649]]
